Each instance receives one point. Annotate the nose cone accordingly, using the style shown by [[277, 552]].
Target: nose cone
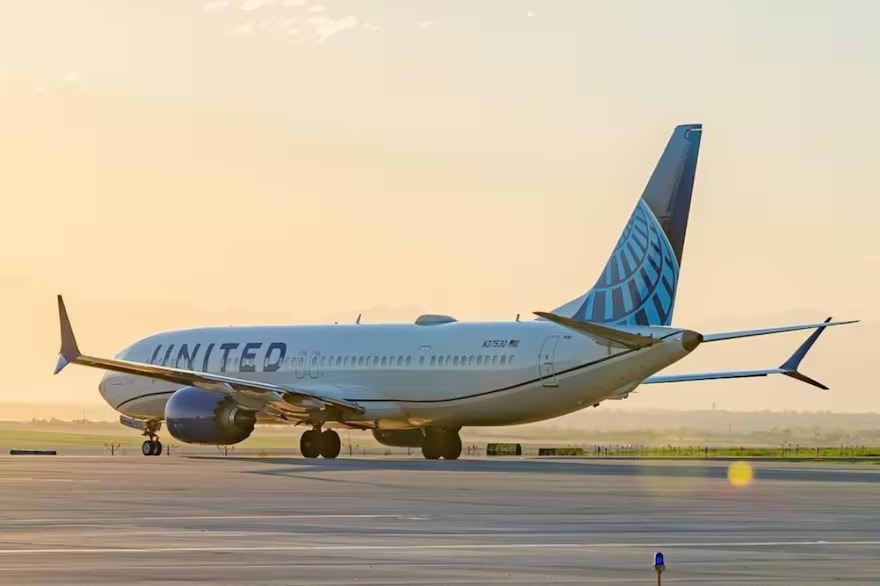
[[106, 387], [691, 339]]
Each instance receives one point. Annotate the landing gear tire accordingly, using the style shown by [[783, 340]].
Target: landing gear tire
[[151, 448], [432, 446], [310, 443], [331, 445], [444, 444], [451, 446]]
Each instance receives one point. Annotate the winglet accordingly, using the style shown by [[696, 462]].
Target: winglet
[[790, 366], [69, 350]]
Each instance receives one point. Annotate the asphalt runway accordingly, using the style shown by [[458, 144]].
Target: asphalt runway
[[225, 521]]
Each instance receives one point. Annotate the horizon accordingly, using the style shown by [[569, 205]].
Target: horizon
[[99, 412]]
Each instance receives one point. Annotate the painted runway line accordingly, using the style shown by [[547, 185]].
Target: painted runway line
[[434, 547], [208, 518]]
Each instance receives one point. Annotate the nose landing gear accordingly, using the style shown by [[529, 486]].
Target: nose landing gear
[[152, 446]]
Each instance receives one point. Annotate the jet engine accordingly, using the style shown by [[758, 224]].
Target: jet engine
[[399, 438], [197, 416]]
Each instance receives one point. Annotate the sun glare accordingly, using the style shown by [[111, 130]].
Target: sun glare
[[740, 474]]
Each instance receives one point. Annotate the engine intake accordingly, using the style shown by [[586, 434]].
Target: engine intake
[[197, 416]]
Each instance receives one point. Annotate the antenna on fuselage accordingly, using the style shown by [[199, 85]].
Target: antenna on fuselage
[[517, 317], [358, 320]]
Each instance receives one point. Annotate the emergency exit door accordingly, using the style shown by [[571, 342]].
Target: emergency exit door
[[547, 362]]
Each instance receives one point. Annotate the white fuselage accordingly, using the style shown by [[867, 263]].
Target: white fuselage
[[406, 375]]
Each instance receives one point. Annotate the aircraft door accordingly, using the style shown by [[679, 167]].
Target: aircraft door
[[547, 362], [424, 356]]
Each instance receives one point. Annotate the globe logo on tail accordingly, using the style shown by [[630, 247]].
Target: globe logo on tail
[[638, 284]]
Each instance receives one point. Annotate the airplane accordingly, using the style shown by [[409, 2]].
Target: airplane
[[417, 385]]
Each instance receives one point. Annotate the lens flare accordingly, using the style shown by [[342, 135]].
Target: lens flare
[[740, 474]]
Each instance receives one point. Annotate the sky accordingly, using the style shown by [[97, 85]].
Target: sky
[[174, 163]]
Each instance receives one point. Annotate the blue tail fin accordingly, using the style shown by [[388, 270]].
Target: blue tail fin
[[638, 285]]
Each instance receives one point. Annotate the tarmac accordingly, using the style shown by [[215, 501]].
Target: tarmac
[[387, 521]]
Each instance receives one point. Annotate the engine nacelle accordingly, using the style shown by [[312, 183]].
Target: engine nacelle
[[197, 416], [399, 438]]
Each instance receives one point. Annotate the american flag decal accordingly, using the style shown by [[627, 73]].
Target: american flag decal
[[513, 344]]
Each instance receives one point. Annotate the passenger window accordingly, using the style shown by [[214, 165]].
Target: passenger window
[[472, 360], [510, 360], [323, 361], [360, 361], [338, 361], [433, 360], [447, 360], [503, 359], [479, 360], [384, 360], [408, 360], [375, 361], [455, 361], [494, 360], [400, 361]]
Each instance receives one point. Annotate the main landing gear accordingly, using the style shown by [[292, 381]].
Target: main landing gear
[[315, 442], [441, 443], [152, 447]]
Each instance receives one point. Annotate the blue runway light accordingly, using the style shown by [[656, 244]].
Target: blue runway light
[[659, 566]]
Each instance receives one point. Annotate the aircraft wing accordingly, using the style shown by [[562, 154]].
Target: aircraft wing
[[788, 368], [246, 389]]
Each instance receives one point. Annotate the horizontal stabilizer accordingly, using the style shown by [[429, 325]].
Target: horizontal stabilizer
[[603, 334], [788, 368], [766, 331]]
